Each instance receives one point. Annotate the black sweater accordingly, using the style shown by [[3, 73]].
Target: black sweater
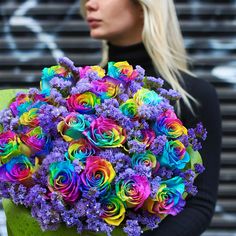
[[198, 212]]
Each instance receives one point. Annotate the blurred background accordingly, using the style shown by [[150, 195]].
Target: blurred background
[[33, 34]]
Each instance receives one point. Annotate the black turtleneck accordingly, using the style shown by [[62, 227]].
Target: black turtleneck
[[198, 212]]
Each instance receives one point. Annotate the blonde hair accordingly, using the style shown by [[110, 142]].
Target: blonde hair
[[164, 43]]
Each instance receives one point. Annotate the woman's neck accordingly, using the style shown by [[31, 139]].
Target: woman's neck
[[135, 54]]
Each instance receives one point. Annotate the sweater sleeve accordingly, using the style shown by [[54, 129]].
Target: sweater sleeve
[[199, 209]]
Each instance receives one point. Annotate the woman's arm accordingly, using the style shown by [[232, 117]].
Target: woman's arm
[[196, 216]]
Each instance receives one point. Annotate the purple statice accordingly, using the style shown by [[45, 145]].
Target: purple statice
[[195, 135], [150, 221], [190, 188], [123, 97], [5, 119], [200, 131], [14, 123], [4, 190], [18, 193], [93, 75], [78, 166], [70, 217], [117, 158], [184, 140], [143, 170], [60, 146], [57, 97], [134, 86], [63, 86], [35, 195], [48, 218], [49, 116], [132, 228], [155, 184], [83, 85], [153, 82], [66, 62], [170, 94], [110, 109], [141, 73], [33, 92], [97, 225], [126, 174], [164, 172], [199, 168], [158, 144], [136, 147]]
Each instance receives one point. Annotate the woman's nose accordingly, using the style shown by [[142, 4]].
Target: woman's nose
[[91, 5]]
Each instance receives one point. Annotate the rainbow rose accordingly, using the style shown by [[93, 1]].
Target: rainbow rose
[[17, 170], [80, 150], [174, 155], [83, 103], [129, 108], [54, 71], [169, 125], [105, 133], [133, 190], [38, 142], [122, 71], [9, 146], [65, 180], [20, 104], [83, 71], [30, 118], [113, 210], [168, 199], [106, 87], [72, 126], [147, 159], [98, 175], [147, 136], [147, 97]]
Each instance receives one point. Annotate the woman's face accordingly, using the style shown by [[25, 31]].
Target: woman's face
[[118, 21]]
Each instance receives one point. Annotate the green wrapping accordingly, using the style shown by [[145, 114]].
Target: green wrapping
[[21, 223]]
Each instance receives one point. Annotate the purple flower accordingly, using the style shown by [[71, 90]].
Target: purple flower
[[132, 228]]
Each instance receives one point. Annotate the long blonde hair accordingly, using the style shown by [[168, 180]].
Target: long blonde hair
[[164, 43]]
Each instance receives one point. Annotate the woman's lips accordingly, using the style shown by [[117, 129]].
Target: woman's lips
[[93, 23]]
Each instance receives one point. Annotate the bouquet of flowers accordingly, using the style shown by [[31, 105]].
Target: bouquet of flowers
[[99, 152]]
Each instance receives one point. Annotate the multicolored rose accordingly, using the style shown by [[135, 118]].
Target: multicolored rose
[[65, 180], [83, 103], [9, 146], [98, 175], [147, 97], [113, 210], [17, 170], [147, 136], [174, 155], [147, 159], [133, 190], [54, 71], [106, 88], [169, 125], [38, 142], [122, 71], [129, 108], [72, 126], [168, 199], [30, 118], [84, 71], [20, 104], [80, 150], [105, 133]]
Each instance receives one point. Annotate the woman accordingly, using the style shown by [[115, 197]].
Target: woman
[[147, 33]]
